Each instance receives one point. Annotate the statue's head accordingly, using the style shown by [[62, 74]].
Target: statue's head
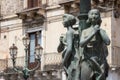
[[94, 17], [68, 20]]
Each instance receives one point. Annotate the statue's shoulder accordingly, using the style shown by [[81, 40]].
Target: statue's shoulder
[[104, 36]]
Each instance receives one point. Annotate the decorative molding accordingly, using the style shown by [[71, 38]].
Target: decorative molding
[[53, 7], [71, 6], [54, 18], [4, 18], [63, 2], [35, 29], [32, 17]]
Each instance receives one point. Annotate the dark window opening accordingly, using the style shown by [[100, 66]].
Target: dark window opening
[[35, 38], [34, 3]]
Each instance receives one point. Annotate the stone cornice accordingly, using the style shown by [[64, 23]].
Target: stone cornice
[[53, 7], [54, 18], [32, 12], [32, 16], [4, 18], [64, 2]]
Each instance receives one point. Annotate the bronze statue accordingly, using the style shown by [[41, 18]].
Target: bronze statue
[[94, 42], [68, 42], [85, 59]]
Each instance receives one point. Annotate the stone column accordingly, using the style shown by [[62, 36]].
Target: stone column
[[25, 4]]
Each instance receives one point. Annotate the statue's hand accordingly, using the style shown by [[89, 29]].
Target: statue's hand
[[61, 39], [96, 27]]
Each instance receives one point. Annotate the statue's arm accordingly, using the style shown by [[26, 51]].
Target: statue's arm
[[84, 41], [104, 36]]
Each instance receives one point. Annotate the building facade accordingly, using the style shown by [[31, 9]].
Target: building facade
[[42, 21]]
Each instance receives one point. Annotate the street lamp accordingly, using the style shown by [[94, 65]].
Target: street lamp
[[38, 51], [13, 53], [26, 41]]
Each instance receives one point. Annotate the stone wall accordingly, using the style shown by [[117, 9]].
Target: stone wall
[[52, 2], [10, 7]]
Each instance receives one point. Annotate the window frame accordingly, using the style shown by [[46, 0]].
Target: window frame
[[34, 63]]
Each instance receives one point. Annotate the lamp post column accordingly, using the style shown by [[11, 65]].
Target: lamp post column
[[26, 57], [25, 71], [85, 6]]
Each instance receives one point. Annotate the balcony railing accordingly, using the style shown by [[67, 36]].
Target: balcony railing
[[115, 56], [20, 61], [51, 61], [3, 64]]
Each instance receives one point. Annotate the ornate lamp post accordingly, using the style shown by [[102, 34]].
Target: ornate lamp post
[[38, 51], [13, 53]]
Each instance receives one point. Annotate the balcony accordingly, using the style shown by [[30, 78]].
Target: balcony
[[115, 57], [62, 2], [3, 64], [70, 6], [51, 61], [31, 16], [7, 65]]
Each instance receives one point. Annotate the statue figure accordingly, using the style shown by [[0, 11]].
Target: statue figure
[[67, 44], [93, 42], [84, 52]]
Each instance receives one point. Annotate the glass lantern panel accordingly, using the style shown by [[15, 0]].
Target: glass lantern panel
[[37, 51]]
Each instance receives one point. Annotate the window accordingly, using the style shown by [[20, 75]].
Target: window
[[33, 3], [35, 38]]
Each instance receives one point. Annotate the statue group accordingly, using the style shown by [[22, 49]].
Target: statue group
[[84, 51]]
